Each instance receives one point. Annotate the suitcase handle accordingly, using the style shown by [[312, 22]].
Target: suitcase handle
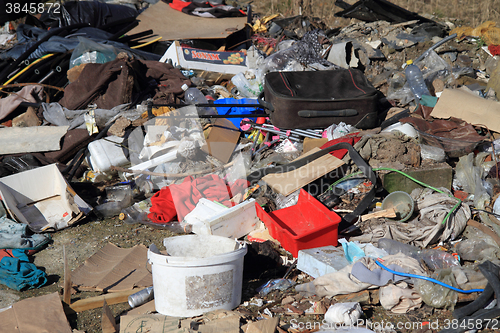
[[265, 104], [330, 113]]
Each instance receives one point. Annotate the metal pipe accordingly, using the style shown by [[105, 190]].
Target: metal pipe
[[307, 135]]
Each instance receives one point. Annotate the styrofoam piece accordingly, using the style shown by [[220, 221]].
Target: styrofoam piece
[[202, 273], [405, 128], [210, 218], [321, 260], [153, 162], [107, 152]]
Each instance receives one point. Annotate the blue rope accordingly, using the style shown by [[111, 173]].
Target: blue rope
[[429, 279]]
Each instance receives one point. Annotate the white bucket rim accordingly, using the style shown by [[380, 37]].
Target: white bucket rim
[[177, 261]]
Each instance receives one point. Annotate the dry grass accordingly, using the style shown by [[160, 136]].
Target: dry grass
[[461, 12]]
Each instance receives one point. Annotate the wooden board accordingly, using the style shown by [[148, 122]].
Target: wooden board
[[288, 182], [97, 301]]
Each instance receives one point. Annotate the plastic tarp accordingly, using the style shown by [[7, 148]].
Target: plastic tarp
[[93, 12], [375, 10]]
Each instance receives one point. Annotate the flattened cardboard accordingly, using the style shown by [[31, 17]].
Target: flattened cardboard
[[221, 139], [150, 323], [230, 324], [43, 314], [42, 199], [31, 139], [473, 109], [262, 326], [310, 143], [172, 24], [143, 309], [288, 182], [114, 269]]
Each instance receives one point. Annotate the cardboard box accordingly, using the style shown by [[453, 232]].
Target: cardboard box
[[221, 139], [42, 199], [206, 60]]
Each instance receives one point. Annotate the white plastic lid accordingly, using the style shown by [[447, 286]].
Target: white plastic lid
[[184, 87]]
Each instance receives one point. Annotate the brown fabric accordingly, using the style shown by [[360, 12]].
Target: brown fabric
[[71, 143], [170, 81], [122, 81], [107, 85], [424, 111], [453, 128]]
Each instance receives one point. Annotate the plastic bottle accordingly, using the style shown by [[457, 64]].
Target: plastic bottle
[[416, 80], [195, 96], [131, 215], [394, 247]]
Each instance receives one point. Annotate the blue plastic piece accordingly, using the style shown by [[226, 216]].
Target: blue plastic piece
[[352, 252], [429, 279], [237, 110]]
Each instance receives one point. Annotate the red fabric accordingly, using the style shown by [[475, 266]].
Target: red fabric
[[494, 49], [179, 4], [340, 153], [6, 253], [180, 199]]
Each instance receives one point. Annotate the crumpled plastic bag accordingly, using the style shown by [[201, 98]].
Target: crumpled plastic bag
[[299, 54], [58, 115], [478, 246], [88, 51], [345, 314], [441, 297]]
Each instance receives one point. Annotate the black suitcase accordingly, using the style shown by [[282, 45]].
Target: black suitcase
[[319, 99]]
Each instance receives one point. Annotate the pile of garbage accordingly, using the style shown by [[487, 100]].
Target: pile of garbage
[[274, 173]]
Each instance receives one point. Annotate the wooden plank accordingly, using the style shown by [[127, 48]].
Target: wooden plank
[[288, 182], [391, 212], [97, 301], [67, 279], [402, 24]]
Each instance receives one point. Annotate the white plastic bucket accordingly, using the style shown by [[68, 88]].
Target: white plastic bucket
[[202, 273]]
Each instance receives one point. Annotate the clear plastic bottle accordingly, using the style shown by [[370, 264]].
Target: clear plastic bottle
[[131, 215], [195, 96], [416, 80]]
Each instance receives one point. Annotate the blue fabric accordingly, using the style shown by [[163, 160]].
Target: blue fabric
[[19, 274]]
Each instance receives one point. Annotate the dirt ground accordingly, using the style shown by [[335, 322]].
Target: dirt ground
[[82, 241]]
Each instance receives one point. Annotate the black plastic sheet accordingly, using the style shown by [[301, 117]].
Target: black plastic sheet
[[375, 10]]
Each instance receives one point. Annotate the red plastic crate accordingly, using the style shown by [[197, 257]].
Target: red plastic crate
[[306, 225]]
